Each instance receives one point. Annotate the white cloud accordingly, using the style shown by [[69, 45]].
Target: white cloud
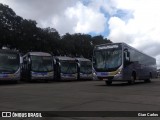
[[107, 5], [137, 23], [79, 19], [41, 11], [65, 16], [142, 29], [88, 19]]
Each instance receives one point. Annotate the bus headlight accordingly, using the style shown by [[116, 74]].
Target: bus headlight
[[119, 72]]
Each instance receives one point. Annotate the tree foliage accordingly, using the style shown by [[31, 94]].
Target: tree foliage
[[24, 35]]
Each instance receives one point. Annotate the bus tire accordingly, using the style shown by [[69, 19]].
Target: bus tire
[[133, 78], [15, 81], [149, 79], [108, 83], [46, 81]]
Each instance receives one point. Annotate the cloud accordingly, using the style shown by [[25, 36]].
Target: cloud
[[135, 22], [41, 11], [79, 19], [142, 29], [88, 19], [65, 16]]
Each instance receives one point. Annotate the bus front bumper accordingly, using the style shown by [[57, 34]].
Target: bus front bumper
[[9, 77], [117, 77], [68, 76], [86, 76], [42, 76]]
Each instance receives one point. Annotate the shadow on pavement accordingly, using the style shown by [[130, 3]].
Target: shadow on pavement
[[124, 84]]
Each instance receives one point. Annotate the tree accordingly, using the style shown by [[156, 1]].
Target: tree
[[9, 23], [96, 40], [24, 35]]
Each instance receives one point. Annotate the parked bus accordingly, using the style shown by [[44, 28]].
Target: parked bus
[[84, 68], [121, 62], [65, 68], [9, 65], [37, 66]]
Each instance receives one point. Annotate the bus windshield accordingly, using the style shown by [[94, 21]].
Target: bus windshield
[[108, 60], [86, 67], [9, 62], [41, 63], [68, 67]]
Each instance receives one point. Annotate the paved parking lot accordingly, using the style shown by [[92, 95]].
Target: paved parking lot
[[80, 96]]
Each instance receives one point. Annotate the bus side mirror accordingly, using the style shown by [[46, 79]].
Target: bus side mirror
[[54, 61], [59, 64], [93, 60], [78, 64], [127, 57], [29, 61]]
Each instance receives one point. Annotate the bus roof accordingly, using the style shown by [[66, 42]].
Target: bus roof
[[126, 45], [39, 53], [64, 58], [109, 44], [82, 59], [138, 51]]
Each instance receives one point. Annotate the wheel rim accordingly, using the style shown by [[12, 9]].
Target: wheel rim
[[132, 80]]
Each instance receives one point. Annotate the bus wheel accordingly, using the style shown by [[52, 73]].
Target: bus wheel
[[149, 79], [108, 82], [46, 81], [132, 81], [15, 81]]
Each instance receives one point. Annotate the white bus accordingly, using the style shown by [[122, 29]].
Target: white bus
[[121, 62], [10, 65], [84, 68], [65, 68], [37, 66]]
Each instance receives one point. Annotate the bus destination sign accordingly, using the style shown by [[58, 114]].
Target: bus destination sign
[[107, 47]]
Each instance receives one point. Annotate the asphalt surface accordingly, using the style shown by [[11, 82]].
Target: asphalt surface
[[81, 96]]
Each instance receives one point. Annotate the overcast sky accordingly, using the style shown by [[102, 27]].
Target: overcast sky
[[136, 22]]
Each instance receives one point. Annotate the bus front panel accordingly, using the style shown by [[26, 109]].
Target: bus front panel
[[86, 70], [9, 66], [68, 70], [107, 62], [42, 67]]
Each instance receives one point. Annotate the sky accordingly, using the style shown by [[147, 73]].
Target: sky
[[135, 22]]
